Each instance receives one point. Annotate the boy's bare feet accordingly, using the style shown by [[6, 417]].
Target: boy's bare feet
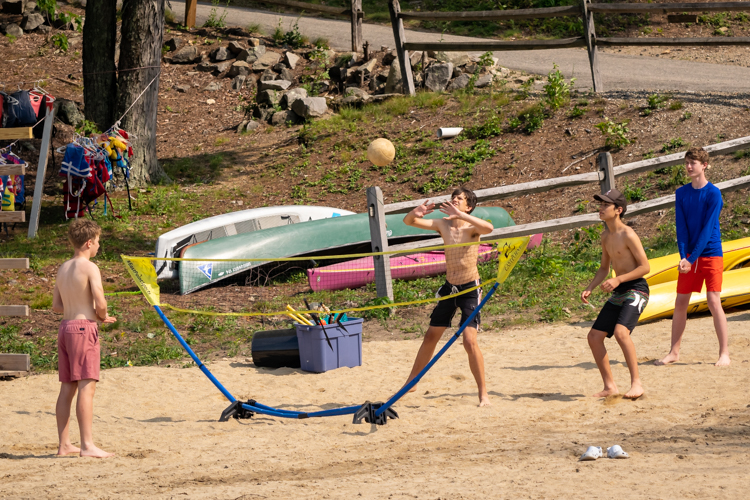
[[723, 360], [95, 452], [606, 392], [484, 400], [67, 450], [635, 392], [667, 360]]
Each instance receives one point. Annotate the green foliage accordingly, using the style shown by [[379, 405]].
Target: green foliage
[[60, 40], [214, 20], [381, 313], [745, 153], [169, 16], [278, 34], [576, 112], [12, 343], [674, 106], [656, 101], [11, 38], [254, 28], [529, 120], [315, 72], [557, 89], [673, 144], [676, 176], [525, 89], [492, 127], [322, 43], [686, 116], [293, 38], [633, 193], [87, 128], [615, 134], [47, 7]]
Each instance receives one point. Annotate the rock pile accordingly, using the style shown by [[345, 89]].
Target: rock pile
[[292, 86]]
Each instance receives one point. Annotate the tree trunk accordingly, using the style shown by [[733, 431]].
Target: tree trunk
[[99, 70], [140, 63]]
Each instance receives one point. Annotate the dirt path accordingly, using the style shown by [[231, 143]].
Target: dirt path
[[619, 71], [687, 437]]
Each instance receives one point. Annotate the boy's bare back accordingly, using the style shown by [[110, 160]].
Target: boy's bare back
[[79, 284]]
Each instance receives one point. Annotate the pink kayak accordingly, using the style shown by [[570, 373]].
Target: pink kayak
[[360, 272]]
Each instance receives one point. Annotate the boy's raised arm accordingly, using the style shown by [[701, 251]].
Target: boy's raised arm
[[415, 217], [481, 226]]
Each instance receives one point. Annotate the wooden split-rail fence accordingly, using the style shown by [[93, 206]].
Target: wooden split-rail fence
[[585, 10], [606, 176]]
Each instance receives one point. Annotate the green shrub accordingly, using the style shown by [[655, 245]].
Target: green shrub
[[557, 89], [529, 119], [615, 134], [576, 112], [60, 40], [490, 128]]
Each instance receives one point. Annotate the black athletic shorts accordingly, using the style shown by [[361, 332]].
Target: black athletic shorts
[[443, 313], [624, 307]]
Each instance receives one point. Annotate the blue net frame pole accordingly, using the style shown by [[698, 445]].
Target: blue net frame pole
[[437, 356], [257, 407]]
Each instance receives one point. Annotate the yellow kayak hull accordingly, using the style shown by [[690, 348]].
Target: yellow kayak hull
[[664, 269], [735, 291]]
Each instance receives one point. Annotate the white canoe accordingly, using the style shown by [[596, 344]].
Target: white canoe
[[171, 244]]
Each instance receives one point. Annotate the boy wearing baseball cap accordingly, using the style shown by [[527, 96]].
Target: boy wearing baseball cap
[[622, 250], [697, 209]]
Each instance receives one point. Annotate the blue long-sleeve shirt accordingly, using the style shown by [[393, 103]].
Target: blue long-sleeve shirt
[[697, 220]]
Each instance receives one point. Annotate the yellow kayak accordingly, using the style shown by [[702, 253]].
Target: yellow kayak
[[735, 291], [664, 269]]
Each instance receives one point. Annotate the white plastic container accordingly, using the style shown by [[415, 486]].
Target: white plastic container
[[448, 132]]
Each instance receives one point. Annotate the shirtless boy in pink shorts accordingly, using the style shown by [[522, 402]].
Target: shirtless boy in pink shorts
[[79, 296]]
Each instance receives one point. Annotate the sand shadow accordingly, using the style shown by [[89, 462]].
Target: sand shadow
[[373, 430], [741, 317], [10, 456], [547, 396], [160, 419], [588, 365]]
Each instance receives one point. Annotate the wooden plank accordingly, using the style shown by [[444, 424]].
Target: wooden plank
[[493, 15], [562, 43], [672, 42], [573, 222], [14, 263], [13, 169], [721, 148], [12, 374], [378, 235], [590, 35], [607, 181], [356, 15], [41, 172], [16, 216], [664, 8], [499, 193], [14, 310], [15, 362], [191, 7], [407, 77], [15, 133], [682, 18], [309, 7]]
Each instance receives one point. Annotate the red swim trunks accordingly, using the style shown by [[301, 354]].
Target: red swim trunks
[[708, 269], [78, 350]]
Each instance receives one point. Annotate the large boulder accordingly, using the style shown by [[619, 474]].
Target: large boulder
[[238, 68], [291, 59], [459, 82], [366, 68], [415, 58], [268, 75], [235, 47], [455, 58], [11, 29], [269, 97], [438, 76], [238, 82], [282, 117], [252, 54], [483, 81], [292, 95], [32, 21], [186, 55], [68, 112], [219, 54], [266, 61], [389, 57], [247, 126], [286, 74], [394, 84], [213, 87], [274, 85], [175, 43], [310, 107]]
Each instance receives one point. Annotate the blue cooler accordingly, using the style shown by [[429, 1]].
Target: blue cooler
[[316, 356]]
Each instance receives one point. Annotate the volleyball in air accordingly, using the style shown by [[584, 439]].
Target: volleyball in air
[[381, 152]]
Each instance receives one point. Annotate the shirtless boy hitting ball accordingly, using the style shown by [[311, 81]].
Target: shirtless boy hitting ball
[[461, 273], [621, 249], [79, 296]]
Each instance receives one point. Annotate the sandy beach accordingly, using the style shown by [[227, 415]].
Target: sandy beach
[[688, 437]]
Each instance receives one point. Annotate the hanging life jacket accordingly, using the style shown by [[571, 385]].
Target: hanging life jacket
[[78, 175]]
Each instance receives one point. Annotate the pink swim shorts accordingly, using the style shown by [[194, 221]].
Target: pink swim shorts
[[78, 350]]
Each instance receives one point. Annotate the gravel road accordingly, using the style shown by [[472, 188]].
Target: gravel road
[[619, 71]]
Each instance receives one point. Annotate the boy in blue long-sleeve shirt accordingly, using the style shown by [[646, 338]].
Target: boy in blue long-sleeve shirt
[[697, 209]]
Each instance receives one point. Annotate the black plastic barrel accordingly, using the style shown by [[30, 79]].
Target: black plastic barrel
[[276, 348]]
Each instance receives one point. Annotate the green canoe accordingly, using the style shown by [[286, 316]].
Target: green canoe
[[339, 235]]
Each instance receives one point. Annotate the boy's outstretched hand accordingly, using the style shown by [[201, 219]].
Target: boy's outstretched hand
[[425, 208], [450, 210], [585, 295]]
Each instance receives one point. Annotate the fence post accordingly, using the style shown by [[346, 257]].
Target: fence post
[[607, 177], [191, 6], [41, 172], [357, 25], [379, 237], [590, 34], [407, 78]]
